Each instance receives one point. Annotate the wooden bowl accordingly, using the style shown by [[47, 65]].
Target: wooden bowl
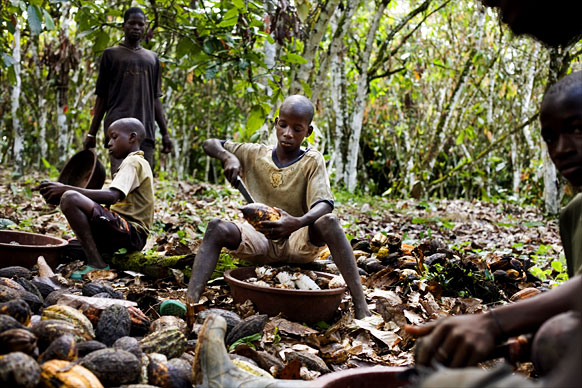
[[23, 248], [297, 305], [83, 170]]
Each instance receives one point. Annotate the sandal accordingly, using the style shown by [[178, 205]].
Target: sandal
[[78, 275], [173, 307]]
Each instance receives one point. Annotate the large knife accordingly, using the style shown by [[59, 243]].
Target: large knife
[[240, 186]]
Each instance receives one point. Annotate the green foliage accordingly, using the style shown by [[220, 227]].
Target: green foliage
[[248, 340]]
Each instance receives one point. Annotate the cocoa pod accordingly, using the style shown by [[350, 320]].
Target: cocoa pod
[[17, 309], [30, 287], [175, 373], [54, 296], [17, 340], [114, 323], [62, 374], [19, 370], [256, 213], [113, 367], [15, 271], [84, 348], [524, 294], [7, 322], [170, 342], [232, 318], [62, 348], [129, 344], [49, 330], [94, 288], [249, 326], [11, 284], [71, 315]]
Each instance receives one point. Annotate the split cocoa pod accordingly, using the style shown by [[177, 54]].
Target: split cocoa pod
[[255, 213]]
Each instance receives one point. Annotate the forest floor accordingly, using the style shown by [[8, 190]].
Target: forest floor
[[456, 257]]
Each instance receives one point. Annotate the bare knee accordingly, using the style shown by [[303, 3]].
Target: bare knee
[[326, 224], [223, 233], [69, 199]]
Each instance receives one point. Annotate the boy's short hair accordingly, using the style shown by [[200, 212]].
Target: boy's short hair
[[130, 124], [131, 11], [563, 86], [302, 103]]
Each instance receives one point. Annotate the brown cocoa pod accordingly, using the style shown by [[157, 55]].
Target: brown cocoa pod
[[170, 342], [49, 330], [175, 373], [248, 326], [30, 287], [62, 348], [15, 271], [84, 348], [232, 319], [7, 322], [114, 323], [524, 294], [54, 296], [11, 284], [17, 309], [19, 370], [63, 374], [129, 344], [94, 288], [256, 213], [17, 340], [113, 367]]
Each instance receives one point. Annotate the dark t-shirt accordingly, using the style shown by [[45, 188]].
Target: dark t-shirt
[[129, 81]]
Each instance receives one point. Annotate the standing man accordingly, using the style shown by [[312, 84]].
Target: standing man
[[129, 85]]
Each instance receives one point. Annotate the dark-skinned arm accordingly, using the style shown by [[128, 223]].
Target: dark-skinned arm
[[231, 164], [98, 113], [53, 191], [468, 339], [288, 224], [167, 145]]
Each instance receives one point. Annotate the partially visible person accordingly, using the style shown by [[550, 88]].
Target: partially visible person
[[555, 23], [129, 85], [469, 339], [130, 197]]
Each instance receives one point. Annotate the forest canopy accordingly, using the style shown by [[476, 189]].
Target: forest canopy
[[429, 98]]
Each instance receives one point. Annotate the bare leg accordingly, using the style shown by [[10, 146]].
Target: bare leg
[[219, 234], [328, 230], [78, 209]]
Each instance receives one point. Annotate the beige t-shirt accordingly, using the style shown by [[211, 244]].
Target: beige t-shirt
[[135, 180], [294, 187]]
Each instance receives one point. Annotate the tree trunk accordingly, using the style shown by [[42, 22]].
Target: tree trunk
[[357, 116], [18, 149], [551, 183]]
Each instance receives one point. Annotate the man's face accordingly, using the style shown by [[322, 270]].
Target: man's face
[[134, 27], [554, 23], [561, 120], [291, 128]]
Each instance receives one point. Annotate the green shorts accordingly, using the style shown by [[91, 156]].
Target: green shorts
[[258, 249]]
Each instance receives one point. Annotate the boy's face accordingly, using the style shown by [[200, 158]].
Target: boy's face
[[134, 27], [561, 121], [292, 127], [120, 141]]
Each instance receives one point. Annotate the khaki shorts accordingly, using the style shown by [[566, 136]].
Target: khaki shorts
[[258, 249]]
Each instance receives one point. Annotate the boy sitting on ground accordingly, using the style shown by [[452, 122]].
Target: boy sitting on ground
[[295, 181], [131, 198]]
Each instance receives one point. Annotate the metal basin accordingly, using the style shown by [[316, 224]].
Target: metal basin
[[23, 249], [367, 377], [83, 170], [297, 305]]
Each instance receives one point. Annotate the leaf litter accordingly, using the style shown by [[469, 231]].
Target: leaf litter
[[418, 261]]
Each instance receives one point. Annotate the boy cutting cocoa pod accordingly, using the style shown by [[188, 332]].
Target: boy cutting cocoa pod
[[292, 181]]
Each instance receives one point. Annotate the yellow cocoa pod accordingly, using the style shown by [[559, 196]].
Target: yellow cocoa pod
[[524, 294], [60, 374], [256, 213]]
